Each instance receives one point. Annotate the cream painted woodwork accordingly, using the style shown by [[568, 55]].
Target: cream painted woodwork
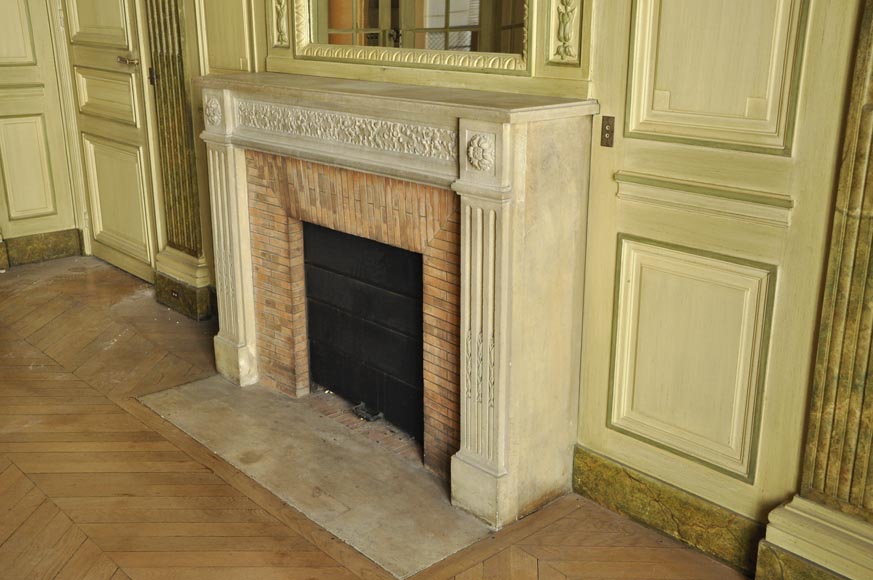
[[693, 79], [231, 35], [107, 58], [36, 193], [707, 234]]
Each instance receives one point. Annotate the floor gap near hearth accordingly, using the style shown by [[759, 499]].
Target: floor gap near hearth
[[368, 494]]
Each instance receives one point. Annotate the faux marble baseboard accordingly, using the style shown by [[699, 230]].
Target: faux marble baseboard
[[41, 247], [706, 526], [196, 303], [4, 256], [774, 563]]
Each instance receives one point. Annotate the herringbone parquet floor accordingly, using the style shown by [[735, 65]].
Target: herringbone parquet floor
[[95, 486]]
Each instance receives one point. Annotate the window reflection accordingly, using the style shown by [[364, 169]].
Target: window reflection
[[461, 25]]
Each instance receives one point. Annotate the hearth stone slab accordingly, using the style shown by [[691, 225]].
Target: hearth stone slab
[[396, 513]]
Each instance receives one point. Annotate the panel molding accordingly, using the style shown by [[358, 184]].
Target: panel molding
[[98, 34], [706, 198], [766, 123], [124, 110], [735, 456], [20, 173], [18, 22], [106, 235]]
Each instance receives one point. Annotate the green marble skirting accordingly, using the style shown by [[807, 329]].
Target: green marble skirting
[[41, 247], [193, 302], [4, 257], [728, 536], [774, 563]]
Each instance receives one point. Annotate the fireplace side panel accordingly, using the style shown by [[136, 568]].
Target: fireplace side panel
[[277, 269]]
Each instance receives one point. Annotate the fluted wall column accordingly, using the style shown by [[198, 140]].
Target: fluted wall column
[[830, 522], [182, 277]]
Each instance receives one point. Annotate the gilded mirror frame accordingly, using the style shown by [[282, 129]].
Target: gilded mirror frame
[[483, 62]]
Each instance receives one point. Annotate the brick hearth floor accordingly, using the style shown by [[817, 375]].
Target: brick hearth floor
[[95, 486]]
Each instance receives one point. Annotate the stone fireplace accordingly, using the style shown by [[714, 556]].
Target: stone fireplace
[[490, 188]]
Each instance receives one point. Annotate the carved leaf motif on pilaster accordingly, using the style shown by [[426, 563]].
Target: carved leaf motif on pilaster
[[481, 152], [212, 112], [390, 136], [280, 15], [492, 377], [480, 367], [468, 348], [565, 31]]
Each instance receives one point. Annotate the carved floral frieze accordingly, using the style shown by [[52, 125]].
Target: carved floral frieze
[[390, 136]]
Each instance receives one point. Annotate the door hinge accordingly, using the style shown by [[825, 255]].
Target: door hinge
[[607, 131], [153, 78]]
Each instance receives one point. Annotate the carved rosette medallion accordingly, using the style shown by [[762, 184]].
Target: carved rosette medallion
[[212, 111], [481, 152]]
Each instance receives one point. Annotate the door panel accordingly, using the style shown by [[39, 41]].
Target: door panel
[[117, 222], [35, 189], [110, 95], [100, 23], [105, 52], [707, 232]]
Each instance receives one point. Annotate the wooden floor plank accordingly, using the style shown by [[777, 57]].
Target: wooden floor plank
[[178, 516], [261, 573], [225, 559], [172, 529]]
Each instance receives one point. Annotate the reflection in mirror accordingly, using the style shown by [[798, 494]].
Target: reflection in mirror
[[461, 25]]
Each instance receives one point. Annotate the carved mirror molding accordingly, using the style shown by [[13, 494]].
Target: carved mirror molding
[[488, 62]]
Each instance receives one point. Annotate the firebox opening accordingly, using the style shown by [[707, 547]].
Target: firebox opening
[[364, 309]]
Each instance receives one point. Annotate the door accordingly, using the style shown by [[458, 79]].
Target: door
[[106, 57], [707, 237], [35, 188]]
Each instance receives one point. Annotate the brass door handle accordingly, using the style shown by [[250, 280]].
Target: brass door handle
[[127, 61]]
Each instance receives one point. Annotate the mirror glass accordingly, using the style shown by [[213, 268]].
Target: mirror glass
[[460, 25]]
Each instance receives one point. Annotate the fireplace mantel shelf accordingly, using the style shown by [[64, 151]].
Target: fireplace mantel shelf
[[520, 165], [403, 131]]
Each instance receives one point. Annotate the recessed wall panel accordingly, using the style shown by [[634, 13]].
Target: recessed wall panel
[[691, 338], [16, 43], [26, 167], [718, 72]]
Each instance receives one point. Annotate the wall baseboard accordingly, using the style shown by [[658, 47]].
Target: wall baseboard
[[711, 528], [41, 247], [774, 563], [196, 303]]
